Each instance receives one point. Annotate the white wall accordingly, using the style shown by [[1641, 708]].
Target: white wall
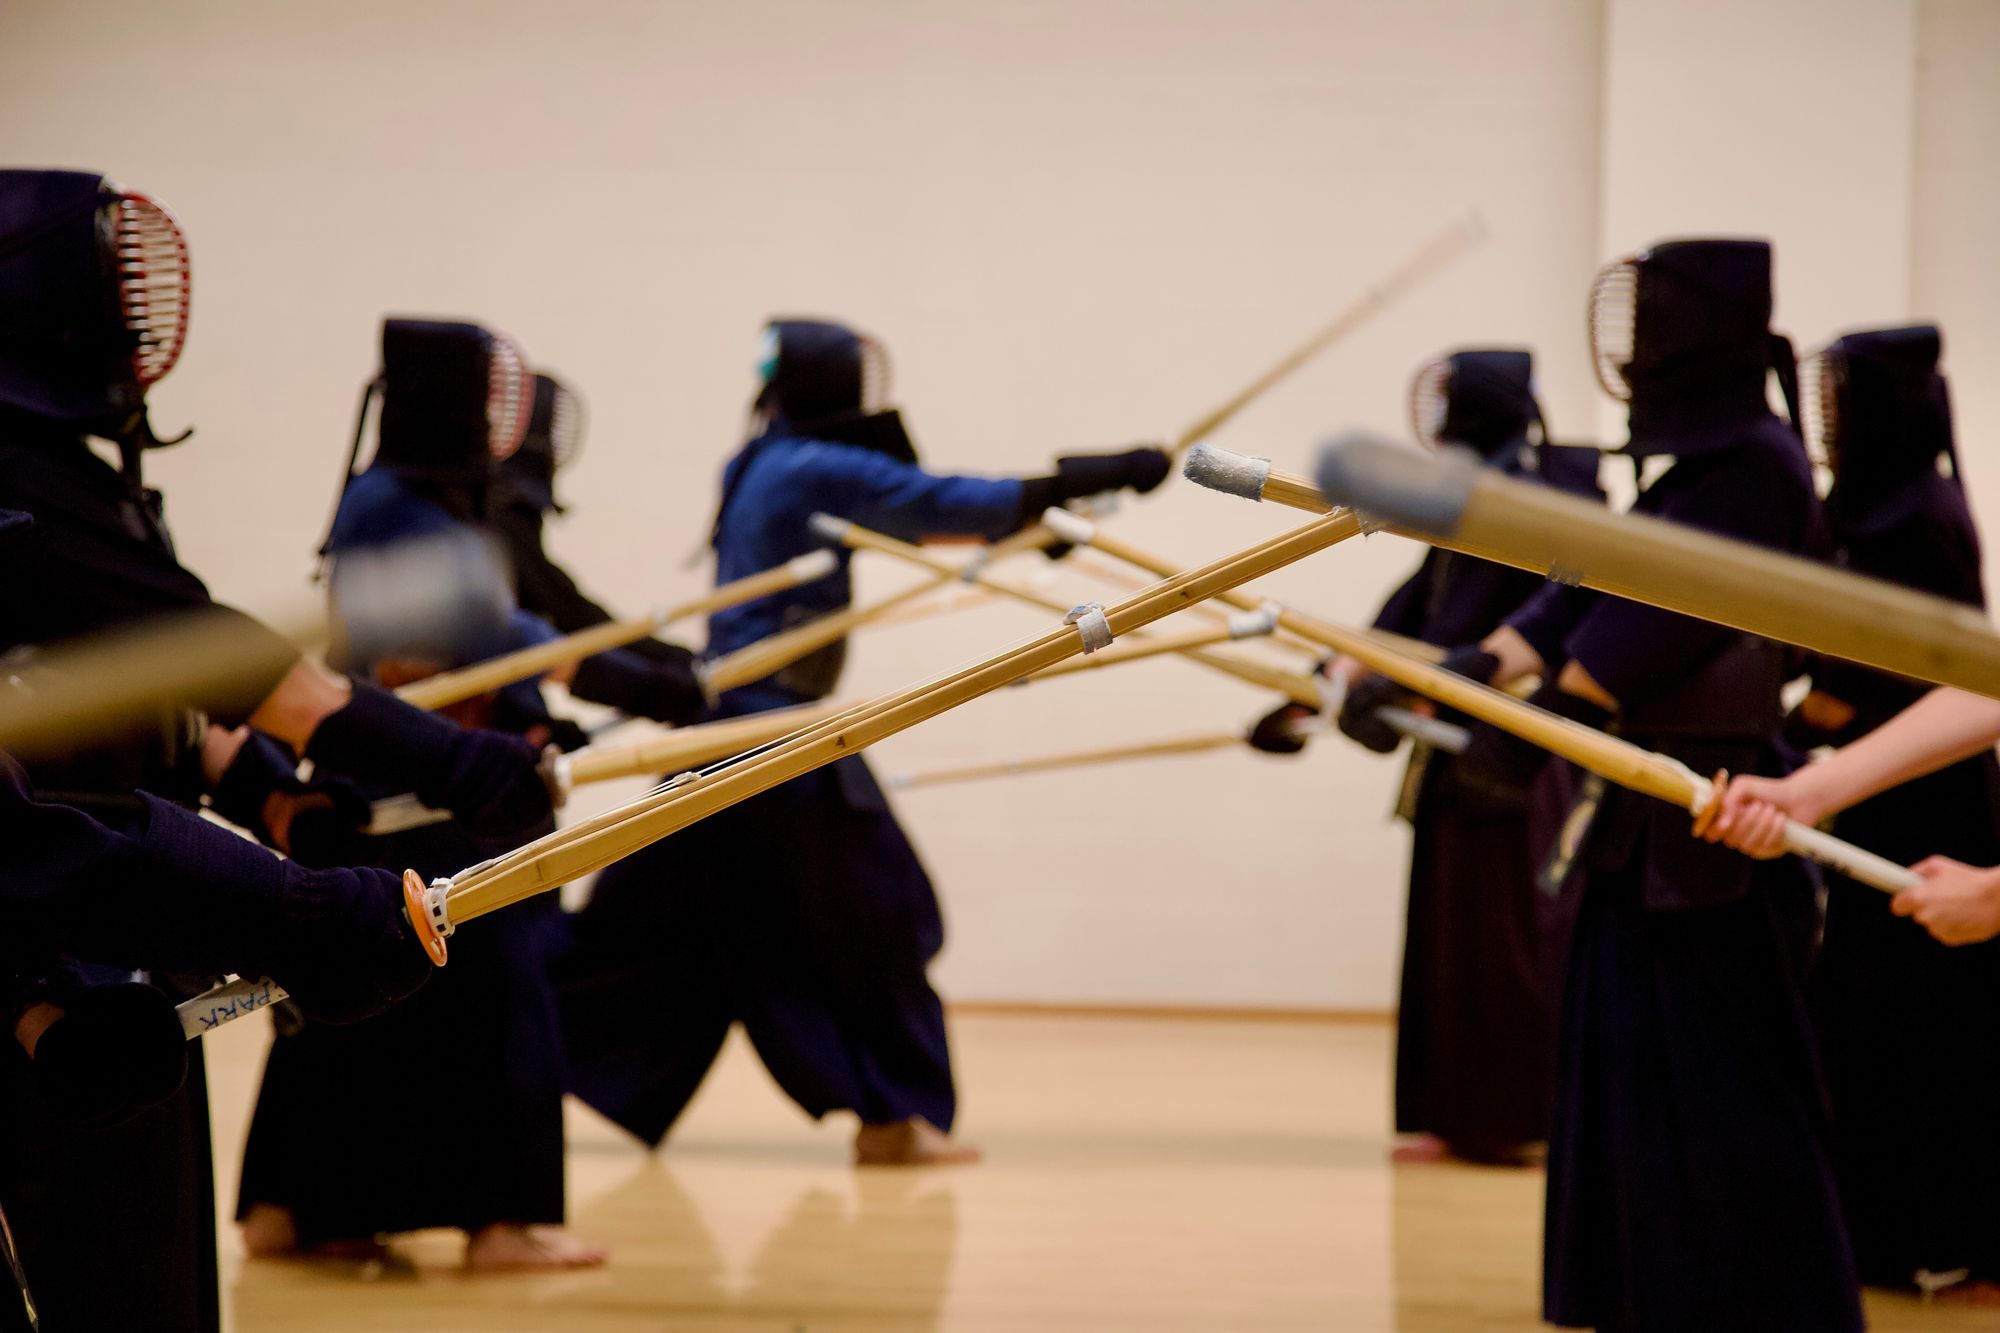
[[1954, 268], [1789, 119], [1076, 223]]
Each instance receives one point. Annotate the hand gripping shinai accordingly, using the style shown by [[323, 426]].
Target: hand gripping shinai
[[1451, 502], [592, 844], [1609, 757], [240, 997]]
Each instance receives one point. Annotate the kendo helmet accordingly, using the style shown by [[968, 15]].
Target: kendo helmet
[[553, 438], [813, 369], [1680, 305], [456, 396], [1482, 398], [828, 381], [94, 299], [1682, 332], [1877, 414], [455, 401]]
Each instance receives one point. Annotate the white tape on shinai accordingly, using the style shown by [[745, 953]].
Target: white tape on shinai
[[1091, 626]]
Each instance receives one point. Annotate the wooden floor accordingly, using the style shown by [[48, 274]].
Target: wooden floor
[[1141, 1175]]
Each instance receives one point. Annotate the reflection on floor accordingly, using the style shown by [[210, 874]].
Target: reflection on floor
[[1141, 1175]]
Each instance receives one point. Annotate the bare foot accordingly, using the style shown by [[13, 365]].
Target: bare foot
[[1976, 1291], [366, 1251], [1499, 1154], [1419, 1148], [912, 1142], [509, 1247], [269, 1232]]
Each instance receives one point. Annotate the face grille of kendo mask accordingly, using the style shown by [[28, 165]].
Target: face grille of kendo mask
[[1821, 377], [565, 427], [1614, 302], [1429, 400], [510, 399], [153, 284], [874, 375]]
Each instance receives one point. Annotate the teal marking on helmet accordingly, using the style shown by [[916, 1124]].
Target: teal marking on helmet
[[767, 354]]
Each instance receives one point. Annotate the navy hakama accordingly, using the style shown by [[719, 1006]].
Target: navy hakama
[[803, 914], [1690, 1177], [1475, 1017]]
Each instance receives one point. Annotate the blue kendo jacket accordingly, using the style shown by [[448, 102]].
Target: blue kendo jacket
[[383, 508], [778, 481]]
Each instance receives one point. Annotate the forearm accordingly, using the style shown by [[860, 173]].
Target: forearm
[[1517, 657], [545, 588], [1344, 669], [913, 505], [1578, 681], [307, 696], [1938, 730], [38, 1017]]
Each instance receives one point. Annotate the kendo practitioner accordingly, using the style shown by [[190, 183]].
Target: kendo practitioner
[[1906, 1089], [1475, 1034], [648, 678], [1690, 1182], [94, 285], [804, 913], [174, 893], [481, 1050]]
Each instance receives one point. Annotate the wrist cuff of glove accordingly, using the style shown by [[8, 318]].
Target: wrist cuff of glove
[[1037, 494], [190, 844], [262, 766], [377, 735], [1358, 721], [1555, 699], [1094, 471], [1472, 662], [1546, 639], [349, 949], [640, 686], [1279, 731], [241, 884], [1078, 475]]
